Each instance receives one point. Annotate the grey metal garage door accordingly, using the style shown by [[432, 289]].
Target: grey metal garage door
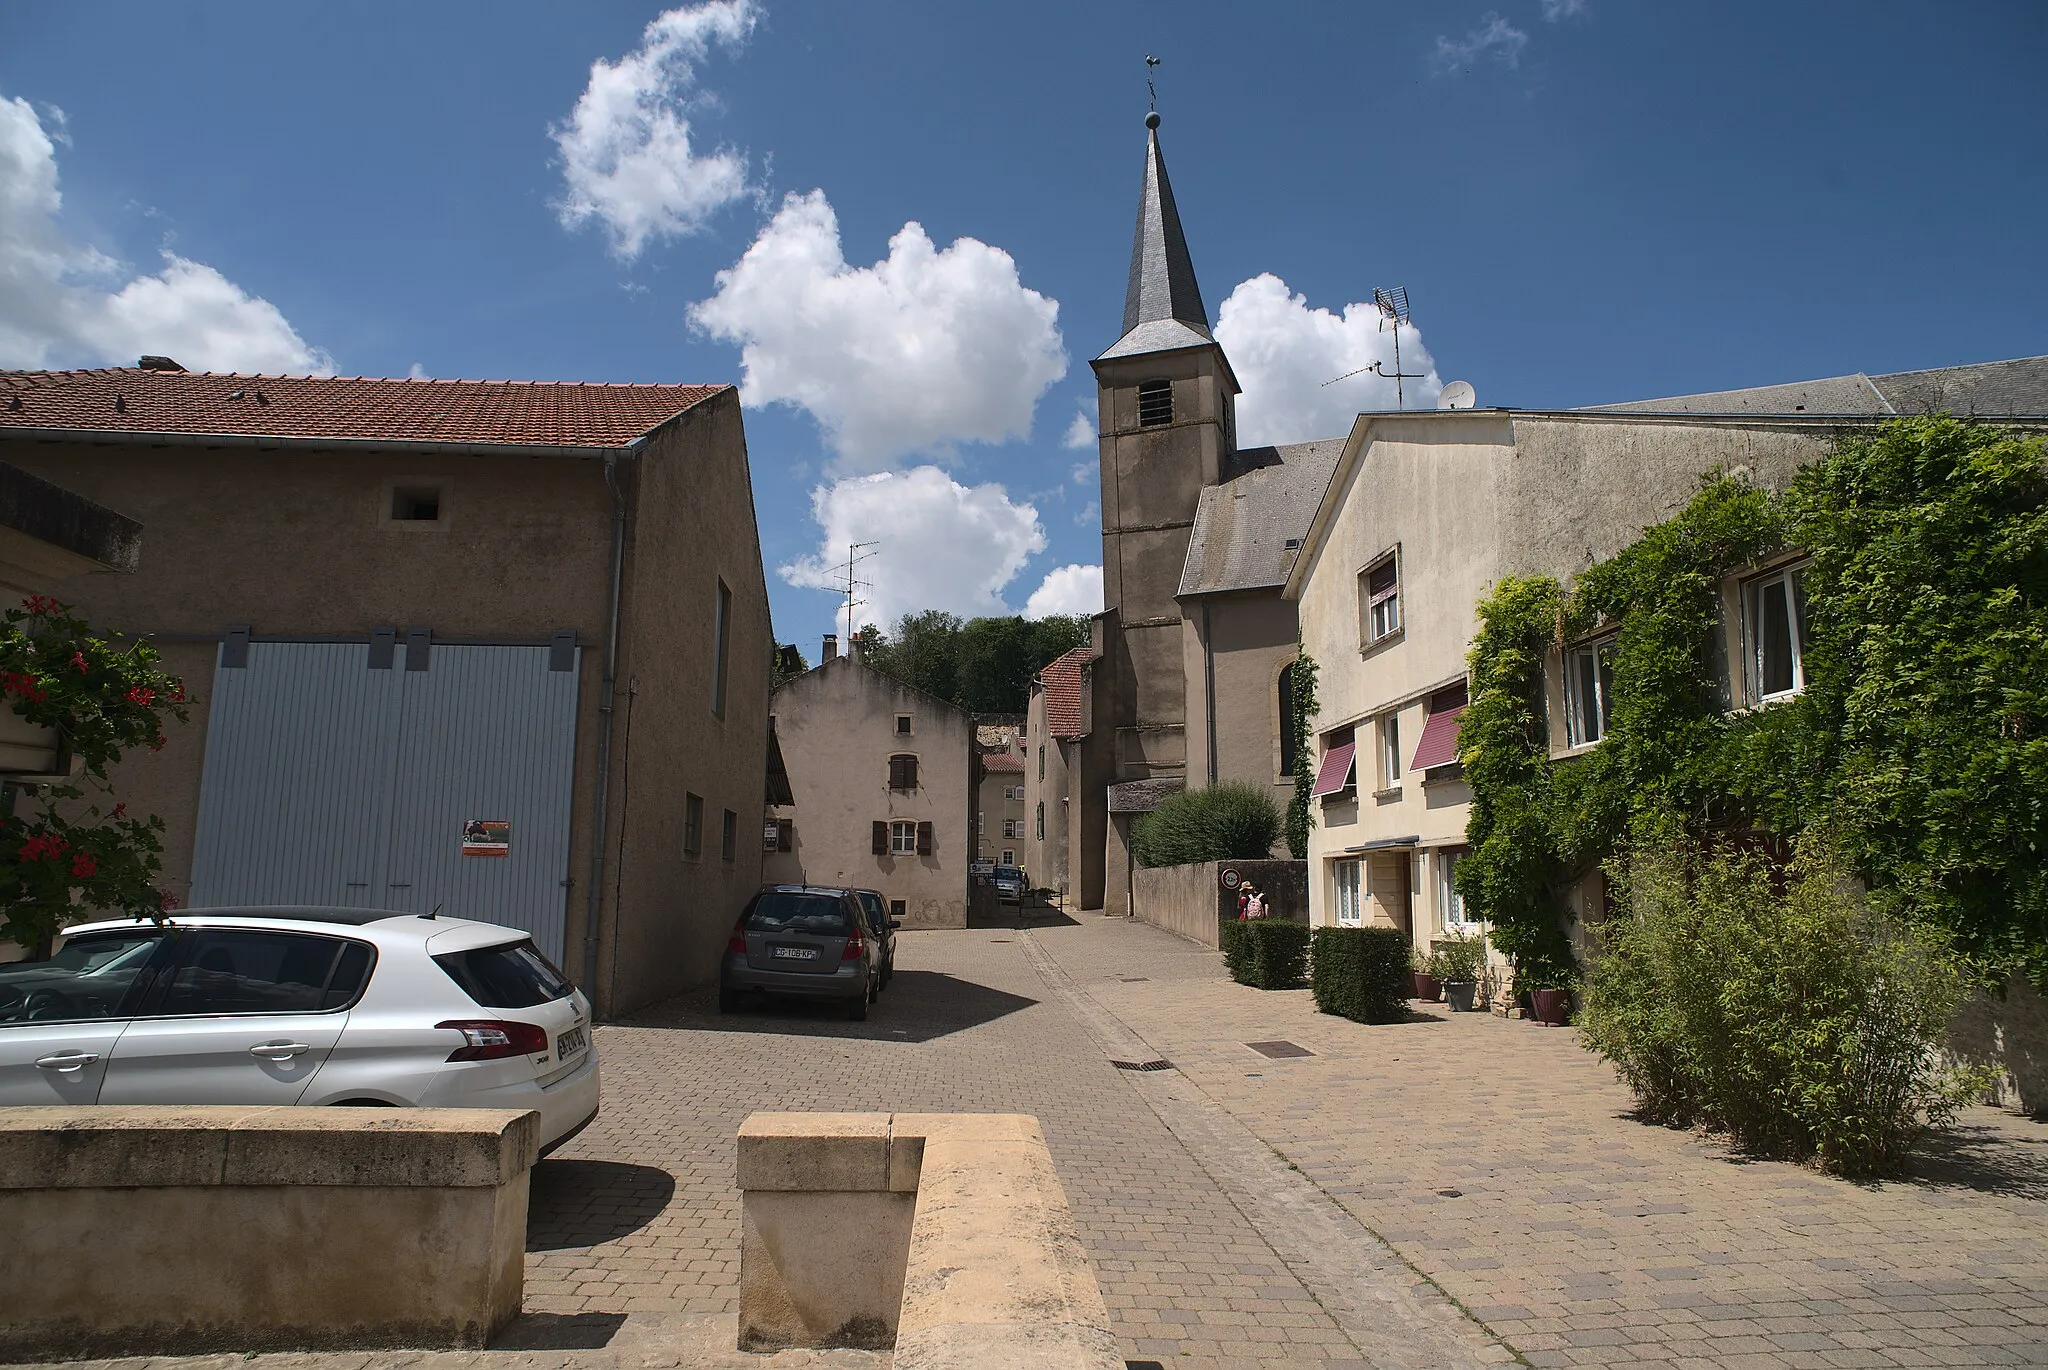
[[333, 780]]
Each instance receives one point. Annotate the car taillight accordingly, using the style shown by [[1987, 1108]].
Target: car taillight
[[855, 948], [737, 943], [488, 1039]]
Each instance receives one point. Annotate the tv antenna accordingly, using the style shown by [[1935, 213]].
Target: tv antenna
[[856, 553], [1393, 307]]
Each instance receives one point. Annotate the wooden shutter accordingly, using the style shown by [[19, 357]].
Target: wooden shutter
[[909, 772], [881, 838], [924, 839], [785, 834]]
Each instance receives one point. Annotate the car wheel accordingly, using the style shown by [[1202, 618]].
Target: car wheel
[[857, 1009]]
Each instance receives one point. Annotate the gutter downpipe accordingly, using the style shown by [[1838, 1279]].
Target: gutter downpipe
[[1209, 689], [606, 694]]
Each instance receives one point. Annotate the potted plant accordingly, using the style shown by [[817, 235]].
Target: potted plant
[[1457, 962], [1548, 984], [1426, 988]]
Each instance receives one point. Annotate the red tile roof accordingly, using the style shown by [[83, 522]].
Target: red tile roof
[[1062, 681], [1001, 763], [358, 408]]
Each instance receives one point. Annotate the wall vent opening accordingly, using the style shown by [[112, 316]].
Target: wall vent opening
[[1155, 403], [416, 504]]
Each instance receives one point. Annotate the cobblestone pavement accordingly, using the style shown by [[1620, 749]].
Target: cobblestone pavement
[[1458, 1191]]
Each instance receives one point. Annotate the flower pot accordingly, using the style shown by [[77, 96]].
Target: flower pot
[[1425, 987], [1550, 1007], [1458, 994]]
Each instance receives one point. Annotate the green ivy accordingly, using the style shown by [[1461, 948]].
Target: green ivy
[[1921, 737], [1301, 808]]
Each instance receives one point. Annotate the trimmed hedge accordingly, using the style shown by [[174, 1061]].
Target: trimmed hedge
[[1222, 823], [1266, 953], [1362, 973]]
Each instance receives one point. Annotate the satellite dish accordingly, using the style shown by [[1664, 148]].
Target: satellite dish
[[1457, 395]]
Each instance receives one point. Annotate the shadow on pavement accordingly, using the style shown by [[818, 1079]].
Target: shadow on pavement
[[559, 1332], [583, 1203], [1986, 1159], [1030, 916], [918, 1006]]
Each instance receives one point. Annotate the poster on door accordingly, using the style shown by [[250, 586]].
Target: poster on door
[[486, 837]]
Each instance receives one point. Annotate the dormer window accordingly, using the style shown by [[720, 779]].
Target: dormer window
[[1155, 403]]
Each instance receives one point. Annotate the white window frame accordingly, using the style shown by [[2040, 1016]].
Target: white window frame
[[1386, 731], [1379, 615], [1450, 905], [1785, 586], [902, 838], [1599, 654], [1346, 908], [1009, 858]]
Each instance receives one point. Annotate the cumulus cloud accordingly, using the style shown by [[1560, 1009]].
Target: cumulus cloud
[[926, 348], [1284, 352], [1071, 589], [1556, 10], [1081, 432], [942, 545], [63, 302], [627, 156], [1495, 39]]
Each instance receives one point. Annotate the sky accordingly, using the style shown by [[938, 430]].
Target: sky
[[903, 228]]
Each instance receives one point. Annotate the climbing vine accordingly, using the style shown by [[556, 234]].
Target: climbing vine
[[1301, 809], [1918, 740]]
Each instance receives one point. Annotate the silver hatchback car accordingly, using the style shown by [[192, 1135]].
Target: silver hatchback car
[[808, 941]]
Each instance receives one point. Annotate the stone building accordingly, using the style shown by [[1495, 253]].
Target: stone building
[[496, 647], [882, 776], [1055, 726], [999, 818]]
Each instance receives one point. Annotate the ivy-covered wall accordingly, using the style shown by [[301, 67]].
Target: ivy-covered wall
[[1920, 738]]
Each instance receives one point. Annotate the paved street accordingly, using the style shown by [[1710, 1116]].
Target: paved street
[[1455, 1191]]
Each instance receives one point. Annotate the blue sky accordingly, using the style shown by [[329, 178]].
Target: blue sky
[[1588, 200]]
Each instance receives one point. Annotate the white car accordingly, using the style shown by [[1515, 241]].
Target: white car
[[311, 1006]]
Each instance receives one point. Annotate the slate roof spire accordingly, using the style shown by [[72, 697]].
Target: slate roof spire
[[1162, 284]]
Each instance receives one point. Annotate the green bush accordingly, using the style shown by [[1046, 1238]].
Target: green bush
[[1266, 953], [1361, 973], [1776, 1005], [1458, 959], [1222, 823]]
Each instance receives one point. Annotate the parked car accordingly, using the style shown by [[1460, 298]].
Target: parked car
[[308, 1006], [807, 941], [882, 928], [1009, 882]]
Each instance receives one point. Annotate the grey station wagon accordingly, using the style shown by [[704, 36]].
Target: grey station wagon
[[806, 941]]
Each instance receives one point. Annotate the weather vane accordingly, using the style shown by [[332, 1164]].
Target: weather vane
[[1150, 63]]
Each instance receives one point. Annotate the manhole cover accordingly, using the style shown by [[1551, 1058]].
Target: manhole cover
[[1142, 1065], [1278, 1050]]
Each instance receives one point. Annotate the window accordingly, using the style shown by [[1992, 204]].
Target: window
[[693, 825], [1009, 858], [89, 977], [903, 839], [1286, 701], [1010, 826], [416, 504], [1450, 905], [1347, 906], [1588, 691], [902, 772], [903, 725], [721, 631], [897, 909], [788, 911], [265, 972], [1337, 776], [1389, 728], [1155, 403], [1774, 635], [1041, 761], [1379, 599], [729, 837], [512, 975], [1041, 820]]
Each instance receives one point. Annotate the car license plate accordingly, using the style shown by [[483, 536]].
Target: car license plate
[[796, 953], [571, 1042]]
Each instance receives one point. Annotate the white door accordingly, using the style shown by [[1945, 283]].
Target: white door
[[247, 1018], [60, 1018]]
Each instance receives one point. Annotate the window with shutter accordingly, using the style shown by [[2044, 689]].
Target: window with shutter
[[881, 847], [924, 839], [1379, 607], [785, 834], [902, 772]]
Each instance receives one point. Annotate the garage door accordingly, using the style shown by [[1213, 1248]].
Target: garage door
[[418, 777]]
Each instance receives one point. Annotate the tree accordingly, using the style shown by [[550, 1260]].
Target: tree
[[786, 665], [923, 652], [984, 665], [68, 853]]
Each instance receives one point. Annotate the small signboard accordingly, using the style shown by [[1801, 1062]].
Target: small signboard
[[487, 837], [1230, 878]]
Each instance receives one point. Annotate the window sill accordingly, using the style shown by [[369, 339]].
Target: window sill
[[1390, 795], [1767, 702], [1366, 649], [1437, 776], [1569, 753]]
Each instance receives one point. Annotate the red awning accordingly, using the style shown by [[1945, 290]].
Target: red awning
[[1335, 772], [1439, 745]]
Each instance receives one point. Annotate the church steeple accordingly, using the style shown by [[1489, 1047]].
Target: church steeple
[[1162, 303]]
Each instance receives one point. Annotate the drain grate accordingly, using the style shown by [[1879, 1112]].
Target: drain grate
[[1142, 1065], [1279, 1050]]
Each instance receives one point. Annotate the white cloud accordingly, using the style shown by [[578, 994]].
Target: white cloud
[[1556, 10], [1284, 352], [1072, 589], [1495, 38], [942, 545], [1081, 432], [924, 349], [63, 302], [416, 372], [1083, 472], [626, 153]]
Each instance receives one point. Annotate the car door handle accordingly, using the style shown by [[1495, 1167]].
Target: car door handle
[[279, 1051], [67, 1061]]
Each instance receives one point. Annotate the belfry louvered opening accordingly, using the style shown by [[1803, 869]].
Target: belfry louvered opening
[[1155, 403]]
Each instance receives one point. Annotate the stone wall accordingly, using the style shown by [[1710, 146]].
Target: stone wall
[[1192, 902], [2009, 1033]]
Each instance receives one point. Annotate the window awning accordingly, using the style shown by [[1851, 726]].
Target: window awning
[[1439, 744], [1335, 772]]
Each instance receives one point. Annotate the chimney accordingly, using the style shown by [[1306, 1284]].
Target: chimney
[[831, 652], [853, 648]]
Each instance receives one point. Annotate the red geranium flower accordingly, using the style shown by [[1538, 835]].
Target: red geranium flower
[[142, 695], [78, 660], [44, 846], [83, 865]]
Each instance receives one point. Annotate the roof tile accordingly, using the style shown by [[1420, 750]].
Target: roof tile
[[1062, 681]]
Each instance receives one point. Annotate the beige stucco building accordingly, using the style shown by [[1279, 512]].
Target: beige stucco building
[[1061, 851], [883, 780], [496, 646], [1000, 826]]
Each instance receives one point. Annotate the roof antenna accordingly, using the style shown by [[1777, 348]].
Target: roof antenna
[[1152, 103], [436, 910], [1393, 307]]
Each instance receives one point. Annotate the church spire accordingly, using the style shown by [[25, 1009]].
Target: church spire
[[1162, 284]]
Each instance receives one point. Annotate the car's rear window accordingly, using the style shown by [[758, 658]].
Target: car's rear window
[[779, 911], [514, 975]]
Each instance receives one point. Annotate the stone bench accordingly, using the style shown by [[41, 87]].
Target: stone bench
[[153, 1230], [946, 1235]]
